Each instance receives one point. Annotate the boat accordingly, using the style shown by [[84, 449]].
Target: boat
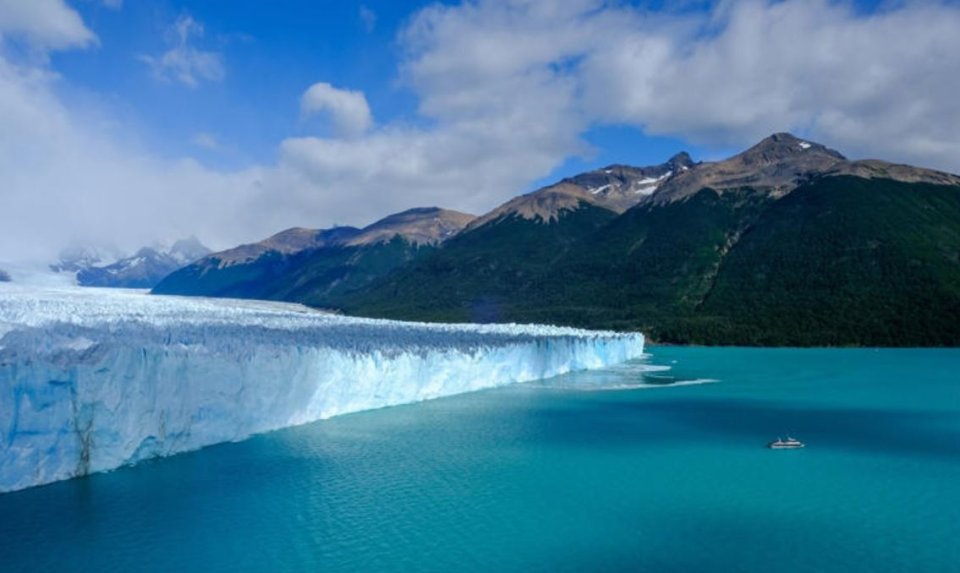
[[788, 444]]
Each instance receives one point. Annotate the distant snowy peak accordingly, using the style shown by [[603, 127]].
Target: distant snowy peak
[[74, 259], [4, 276], [615, 187], [143, 269], [187, 250]]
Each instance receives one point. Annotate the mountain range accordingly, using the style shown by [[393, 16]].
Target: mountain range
[[786, 243], [317, 266], [143, 269]]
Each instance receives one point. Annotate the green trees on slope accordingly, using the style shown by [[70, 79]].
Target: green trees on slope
[[839, 261]]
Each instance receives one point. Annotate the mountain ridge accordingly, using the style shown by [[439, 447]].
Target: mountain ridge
[[107, 267], [786, 243], [615, 187], [280, 265], [780, 163]]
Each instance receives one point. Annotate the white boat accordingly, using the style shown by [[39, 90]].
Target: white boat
[[788, 444]]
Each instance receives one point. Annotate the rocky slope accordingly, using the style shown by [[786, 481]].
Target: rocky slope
[[307, 264], [615, 188], [786, 243], [780, 164]]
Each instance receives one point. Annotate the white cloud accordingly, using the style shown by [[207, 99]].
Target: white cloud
[[508, 87], [505, 90], [43, 24], [63, 179], [881, 84], [348, 110], [183, 62], [113, 4]]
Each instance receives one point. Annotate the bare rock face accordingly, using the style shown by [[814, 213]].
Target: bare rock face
[[782, 162], [615, 187], [422, 226], [777, 164], [286, 242], [876, 169]]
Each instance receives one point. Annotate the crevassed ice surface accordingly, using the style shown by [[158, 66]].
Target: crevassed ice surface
[[93, 379]]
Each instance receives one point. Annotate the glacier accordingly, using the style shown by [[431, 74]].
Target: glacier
[[95, 379]]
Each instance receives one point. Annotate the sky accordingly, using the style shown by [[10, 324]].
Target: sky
[[134, 122]]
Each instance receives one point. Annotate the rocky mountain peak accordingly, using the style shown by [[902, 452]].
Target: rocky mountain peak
[[422, 225], [615, 187], [781, 147], [780, 163], [777, 165], [681, 162]]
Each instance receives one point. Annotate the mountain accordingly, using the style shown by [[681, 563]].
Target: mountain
[[787, 243], [781, 163], [75, 259], [500, 252], [4, 276], [110, 267], [144, 269], [316, 266], [615, 188]]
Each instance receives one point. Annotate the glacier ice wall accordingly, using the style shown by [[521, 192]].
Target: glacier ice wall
[[93, 379]]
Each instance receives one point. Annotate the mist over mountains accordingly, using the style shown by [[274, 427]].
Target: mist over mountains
[[143, 269]]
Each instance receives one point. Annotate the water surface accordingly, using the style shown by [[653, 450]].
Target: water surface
[[636, 468]]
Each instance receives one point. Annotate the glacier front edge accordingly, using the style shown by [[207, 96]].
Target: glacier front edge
[[94, 379]]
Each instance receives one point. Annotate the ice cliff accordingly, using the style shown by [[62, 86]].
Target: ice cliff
[[94, 379]]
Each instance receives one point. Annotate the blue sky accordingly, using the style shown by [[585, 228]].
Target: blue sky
[[270, 54], [129, 122], [270, 57]]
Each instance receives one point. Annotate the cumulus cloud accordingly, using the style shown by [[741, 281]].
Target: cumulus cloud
[[505, 89], [881, 84], [508, 88], [184, 62], [43, 24], [348, 110], [878, 83]]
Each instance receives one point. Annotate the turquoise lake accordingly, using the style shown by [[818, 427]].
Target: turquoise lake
[[638, 468]]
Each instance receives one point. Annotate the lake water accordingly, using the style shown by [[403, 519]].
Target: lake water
[[603, 471]]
